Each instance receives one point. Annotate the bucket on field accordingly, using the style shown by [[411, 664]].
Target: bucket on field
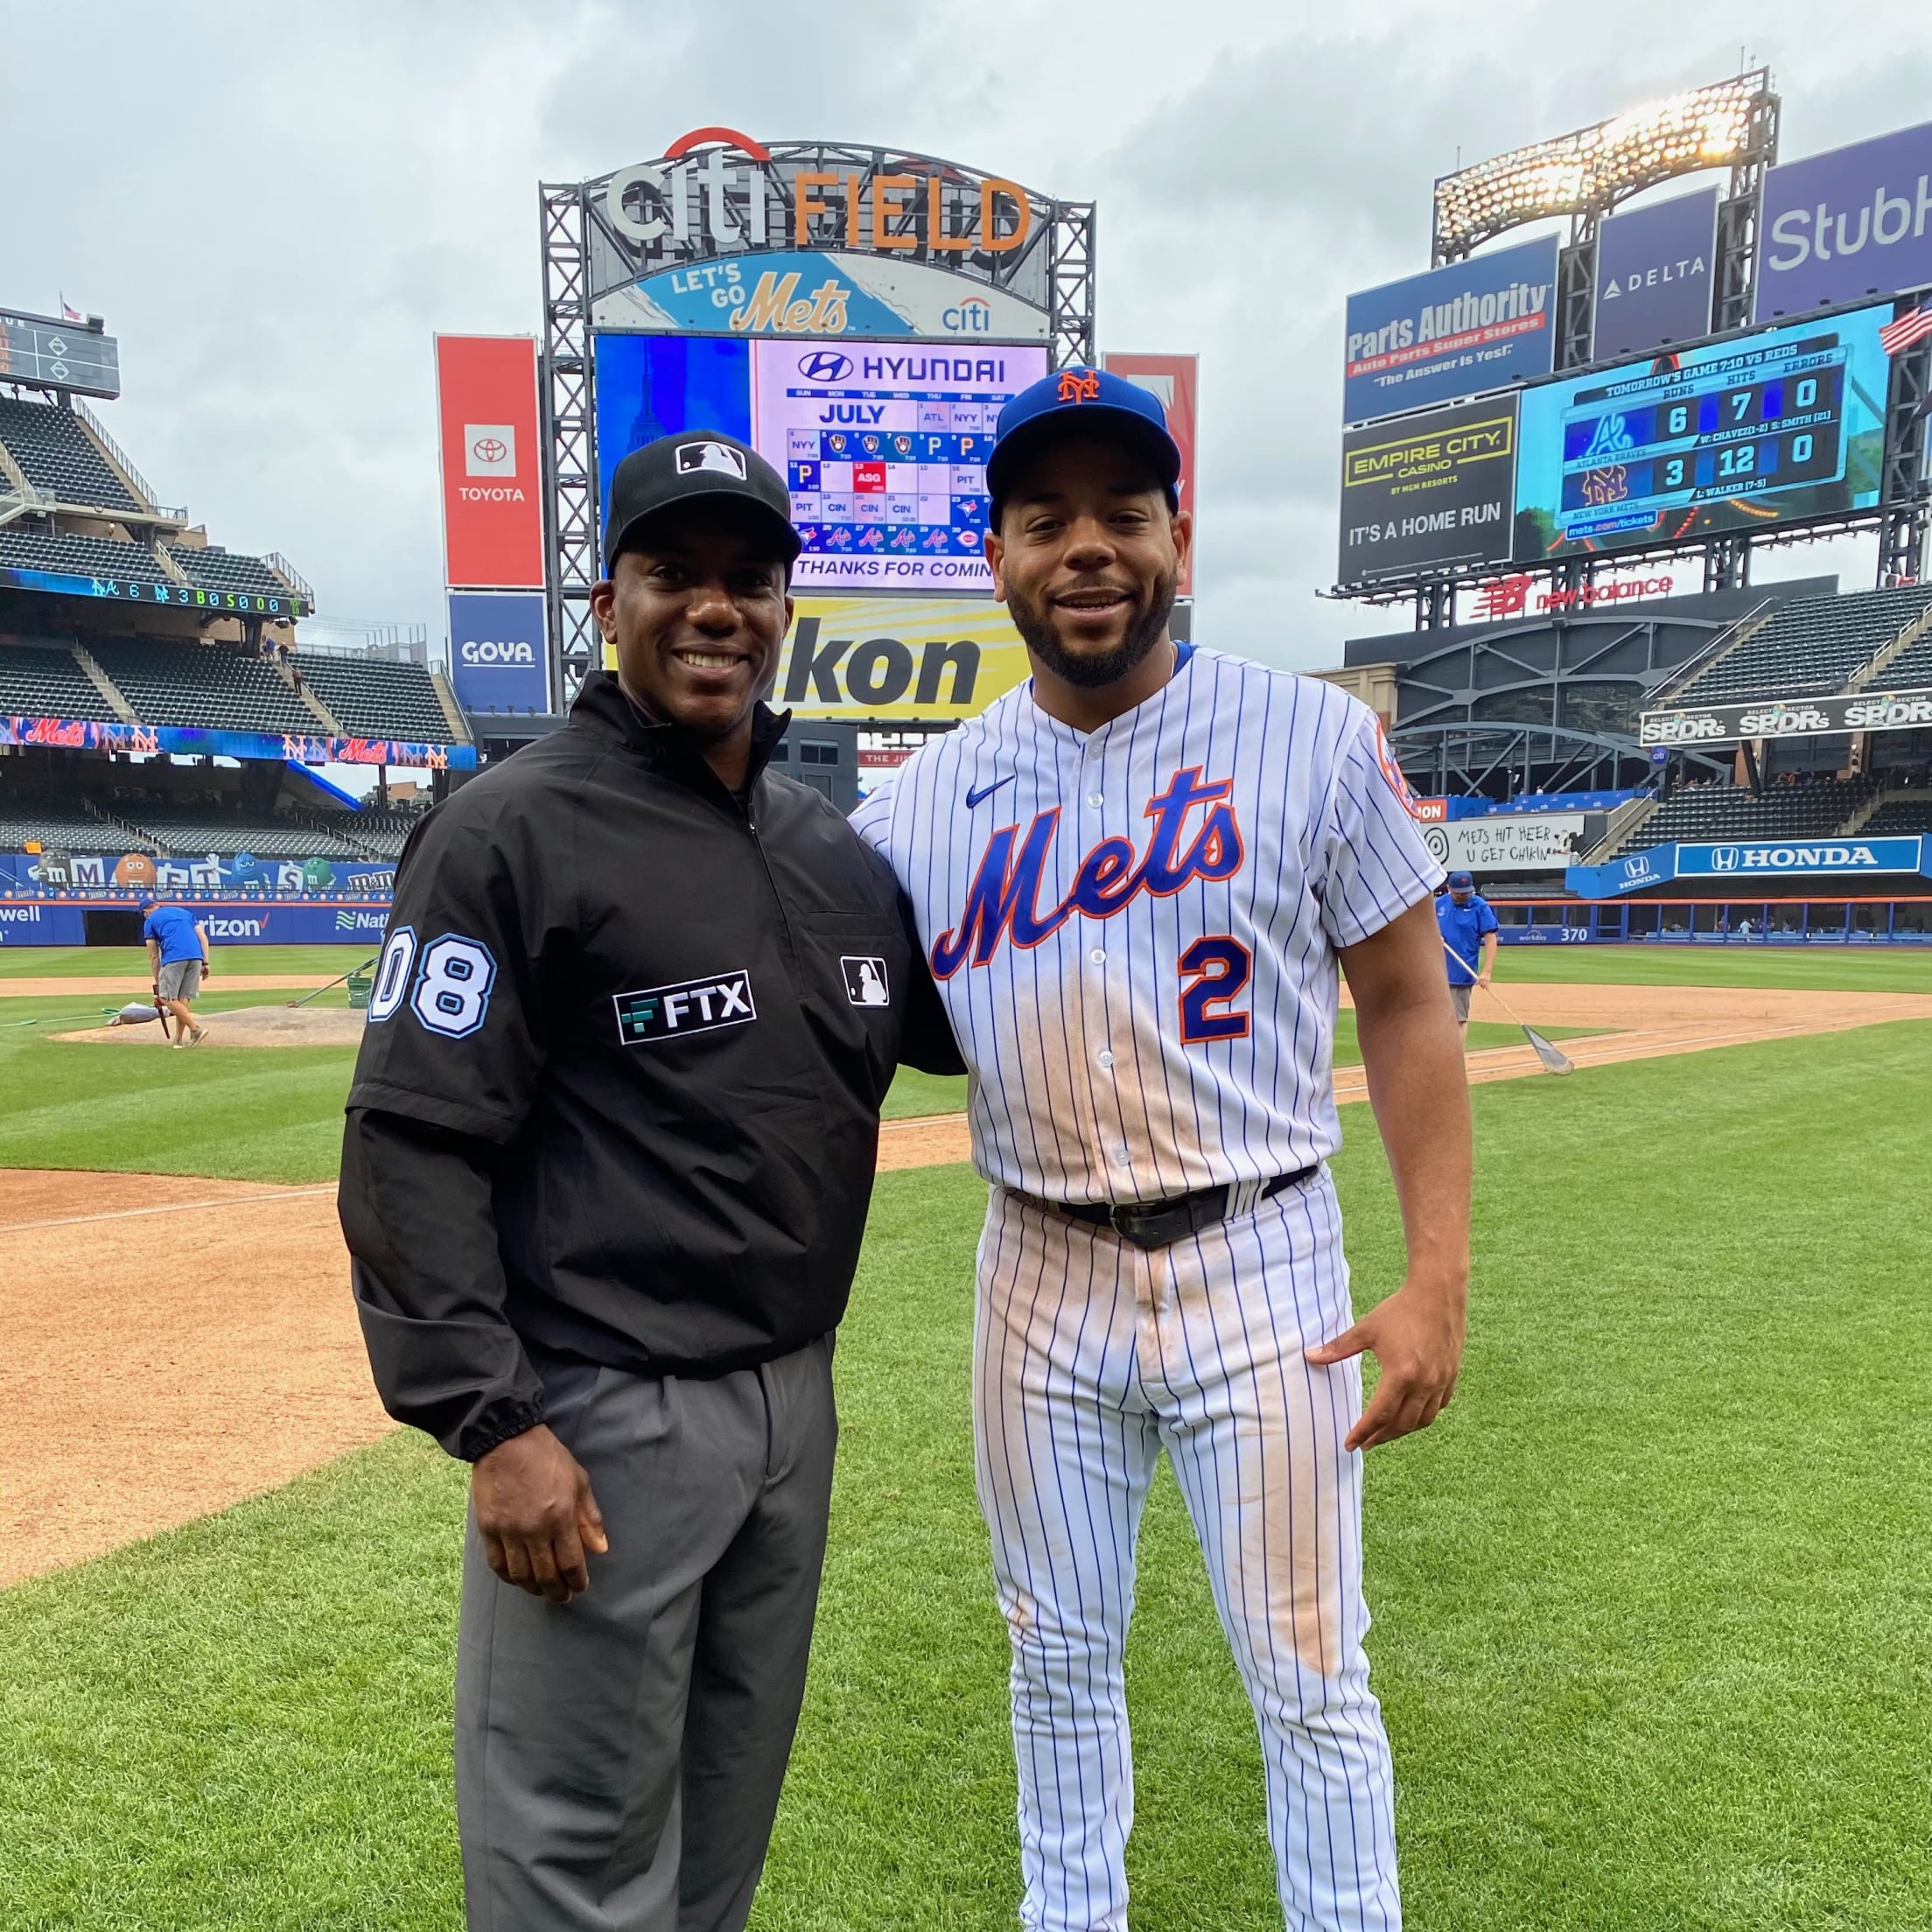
[[359, 989]]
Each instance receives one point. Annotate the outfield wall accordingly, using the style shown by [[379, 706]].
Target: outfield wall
[[230, 922], [1737, 921]]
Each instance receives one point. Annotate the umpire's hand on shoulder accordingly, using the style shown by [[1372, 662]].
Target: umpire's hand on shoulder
[[536, 1515]]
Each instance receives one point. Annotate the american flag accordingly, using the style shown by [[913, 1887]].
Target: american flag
[[1896, 337]]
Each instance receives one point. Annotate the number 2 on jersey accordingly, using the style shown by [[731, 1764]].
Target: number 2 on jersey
[[1219, 968]]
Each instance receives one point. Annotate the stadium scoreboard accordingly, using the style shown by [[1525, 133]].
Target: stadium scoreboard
[[1761, 421]]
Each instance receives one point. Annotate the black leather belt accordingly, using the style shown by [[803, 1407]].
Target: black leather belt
[[1156, 1224]]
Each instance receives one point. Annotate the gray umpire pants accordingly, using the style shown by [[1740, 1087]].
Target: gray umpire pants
[[619, 1758]]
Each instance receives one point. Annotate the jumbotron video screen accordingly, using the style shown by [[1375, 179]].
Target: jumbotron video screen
[[882, 444], [1739, 435]]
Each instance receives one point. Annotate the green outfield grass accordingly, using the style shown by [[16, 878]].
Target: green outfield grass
[[1652, 1613], [1816, 969]]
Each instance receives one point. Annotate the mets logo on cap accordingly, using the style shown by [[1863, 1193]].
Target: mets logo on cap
[[1078, 385]]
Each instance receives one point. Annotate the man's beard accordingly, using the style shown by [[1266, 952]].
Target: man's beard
[[1035, 626]]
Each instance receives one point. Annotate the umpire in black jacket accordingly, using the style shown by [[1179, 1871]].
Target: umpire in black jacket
[[609, 1153]]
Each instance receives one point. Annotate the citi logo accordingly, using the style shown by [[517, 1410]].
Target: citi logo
[[825, 365], [495, 651], [972, 317]]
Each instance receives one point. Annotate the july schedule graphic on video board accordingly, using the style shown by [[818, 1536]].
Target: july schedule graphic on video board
[[883, 445]]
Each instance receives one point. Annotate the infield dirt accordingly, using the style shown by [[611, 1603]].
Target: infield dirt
[[176, 1344]]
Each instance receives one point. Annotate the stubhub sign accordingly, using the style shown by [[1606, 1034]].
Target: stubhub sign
[[499, 658]]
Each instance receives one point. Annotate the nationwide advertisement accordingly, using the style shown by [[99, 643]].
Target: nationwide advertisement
[[1777, 429], [103, 878], [1654, 276], [1507, 842], [1431, 491], [726, 234], [492, 495], [799, 294], [883, 445], [499, 658], [87, 734], [1174, 380], [857, 657], [1849, 223], [1866, 710], [1457, 330]]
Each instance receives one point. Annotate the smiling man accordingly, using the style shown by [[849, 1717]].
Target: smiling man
[[610, 1149], [1135, 878]]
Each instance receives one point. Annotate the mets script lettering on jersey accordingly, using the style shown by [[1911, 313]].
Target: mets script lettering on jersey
[[1135, 935], [1004, 895]]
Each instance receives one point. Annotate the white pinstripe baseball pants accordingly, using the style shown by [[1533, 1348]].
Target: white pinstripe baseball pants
[[1090, 1356]]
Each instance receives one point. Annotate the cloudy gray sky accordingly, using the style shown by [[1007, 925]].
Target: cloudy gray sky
[[276, 210]]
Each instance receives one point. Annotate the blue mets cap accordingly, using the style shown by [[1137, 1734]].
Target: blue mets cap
[[1461, 882], [1076, 401]]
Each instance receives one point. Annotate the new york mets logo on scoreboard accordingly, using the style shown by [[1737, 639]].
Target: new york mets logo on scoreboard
[[1003, 901]]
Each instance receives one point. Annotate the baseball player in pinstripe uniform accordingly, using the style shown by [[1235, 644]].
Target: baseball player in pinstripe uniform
[[1134, 878]]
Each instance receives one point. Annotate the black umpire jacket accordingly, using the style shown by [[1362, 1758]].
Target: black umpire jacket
[[618, 1098]]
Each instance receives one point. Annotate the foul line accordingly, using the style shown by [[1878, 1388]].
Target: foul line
[[172, 1207]]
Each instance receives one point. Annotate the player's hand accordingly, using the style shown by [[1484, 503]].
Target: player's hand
[[207, 971], [1416, 1337], [536, 1515], [1482, 979]]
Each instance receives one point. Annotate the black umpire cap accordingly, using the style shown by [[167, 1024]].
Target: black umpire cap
[[691, 466]]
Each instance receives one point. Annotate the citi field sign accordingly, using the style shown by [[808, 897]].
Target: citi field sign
[[726, 235]]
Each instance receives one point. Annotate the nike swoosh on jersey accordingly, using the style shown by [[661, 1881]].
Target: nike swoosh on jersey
[[979, 794]]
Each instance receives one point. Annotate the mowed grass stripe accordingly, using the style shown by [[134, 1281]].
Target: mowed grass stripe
[[1651, 1609]]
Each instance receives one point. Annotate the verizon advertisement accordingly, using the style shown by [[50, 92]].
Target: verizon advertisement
[[493, 498], [1174, 381]]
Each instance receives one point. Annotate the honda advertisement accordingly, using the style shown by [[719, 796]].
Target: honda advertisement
[[1458, 330], [1654, 276], [500, 657], [1849, 223], [493, 496]]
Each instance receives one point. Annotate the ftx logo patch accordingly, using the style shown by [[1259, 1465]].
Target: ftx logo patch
[[691, 1007]]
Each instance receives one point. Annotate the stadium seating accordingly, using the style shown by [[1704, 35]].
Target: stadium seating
[[1900, 818], [57, 455], [43, 681], [191, 830], [1811, 645], [80, 556], [214, 568], [38, 821], [1911, 670], [1733, 811], [201, 684], [376, 699]]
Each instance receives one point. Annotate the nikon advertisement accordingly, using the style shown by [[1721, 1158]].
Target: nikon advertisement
[[1430, 492]]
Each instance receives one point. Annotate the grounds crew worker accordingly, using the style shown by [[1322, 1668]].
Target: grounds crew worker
[[1469, 927], [610, 1149]]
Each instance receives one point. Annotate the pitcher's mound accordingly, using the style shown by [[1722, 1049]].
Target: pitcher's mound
[[276, 1025]]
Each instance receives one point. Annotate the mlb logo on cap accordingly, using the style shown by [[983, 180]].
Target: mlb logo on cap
[[693, 457]]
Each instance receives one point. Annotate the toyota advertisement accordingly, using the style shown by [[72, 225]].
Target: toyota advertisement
[[499, 659], [492, 494]]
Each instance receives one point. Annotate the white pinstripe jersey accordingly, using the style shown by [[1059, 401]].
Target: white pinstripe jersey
[[1134, 929]]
